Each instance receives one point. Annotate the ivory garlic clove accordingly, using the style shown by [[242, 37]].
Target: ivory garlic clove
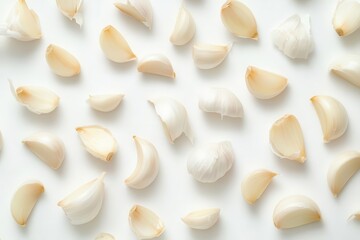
[[105, 236], [141, 10], [207, 56], [202, 219], [346, 19], [156, 64], [61, 62], [184, 29], [348, 67], [105, 102], [71, 9]]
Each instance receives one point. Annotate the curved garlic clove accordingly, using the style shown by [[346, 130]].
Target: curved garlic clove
[[332, 115], [286, 139], [293, 37], [71, 8], [348, 68], [346, 18], [202, 219], [263, 84], [141, 10], [22, 23], [184, 29], [295, 211], [239, 19], [156, 64], [114, 46], [105, 102], [147, 166], [174, 118], [145, 223], [254, 184], [61, 62], [207, 56], [38, 100], [209, 163], [24, 200], [342, 169], [98, 141], [221, 101], [48, 147], [105, 236], [84, 204]]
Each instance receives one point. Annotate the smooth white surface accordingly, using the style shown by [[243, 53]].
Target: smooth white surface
[[175, 193]]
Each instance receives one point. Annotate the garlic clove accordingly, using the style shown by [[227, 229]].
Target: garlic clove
[[332, 115], [98, 141], [346, 19], [84, 204], [184, 29], [61, 62], [114, 46], [207, 56], [174, 118], [295, 211], [263, 84], [141, 10], [70, 9], [145, 223], [293, 37], [286, 139], [221, 101], [342, 169], [147, 166], [202, 219], [22, 23], [355, 216], [105, 102], [105, 236], [209, 163], [239, 19], [254, 184], [48, 147], [156, 64], [24, 200], [348, 68]]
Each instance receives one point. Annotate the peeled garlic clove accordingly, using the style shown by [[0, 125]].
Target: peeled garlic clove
[[83, 205], [355, 216], [348, 68], [105, 102], [71, 8], [174, 118], [255, 184], [293, 37], [145, 223], [332, 115], [221, 101], [286, 139], [61, 62], [263, 84], [346, 18], [105, 236], [22, 23], [141, 10], [24, 200], [156, 64], [295, 211], [209, 163], [207, 56], [239, 19], [184, 29], [48, 147], [114, 46], [202, 219]]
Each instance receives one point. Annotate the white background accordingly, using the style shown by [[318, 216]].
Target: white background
[[174, 193]]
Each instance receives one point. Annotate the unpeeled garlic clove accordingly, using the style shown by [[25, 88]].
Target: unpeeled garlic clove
[[295, 211], [156, 64], [348, 67], [263, 84], [207, 56], [22, 23], [145, 223], [141, 10], [209, 163], [48, 147], [332, 115], [147, 166], [105, 236], [346, 18], [184, 29], [84, 204], [71, 8], [239, 19], [61, 62], [114, 46], [221, 101], [105, 102], [24, 200], [202, 219], [174, 118], [254, 184], [286, 139]]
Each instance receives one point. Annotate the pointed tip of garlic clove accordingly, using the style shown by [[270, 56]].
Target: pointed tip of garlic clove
[[61, 62], [202, 219], [141, 10], [70, 9], [156, 64], [207, 56], [346, 19], [105, 102], [184, 29], [348, 68]]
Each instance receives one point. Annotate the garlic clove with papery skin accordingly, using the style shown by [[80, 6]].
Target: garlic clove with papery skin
[[346, 19], [202, 219], [207, 56], [105, 102], [184, 29], [61, 62], [141, 10], [347, 67], [157, 64], [70, 9]]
